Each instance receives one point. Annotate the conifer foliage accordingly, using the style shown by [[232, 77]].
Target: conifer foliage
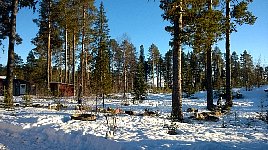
[[73, 46], [238, 15], [139, 79], [102, 73], [200, 24], [8, 16], [173, 12]]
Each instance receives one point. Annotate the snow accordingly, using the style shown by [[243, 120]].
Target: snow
[[28, 128]]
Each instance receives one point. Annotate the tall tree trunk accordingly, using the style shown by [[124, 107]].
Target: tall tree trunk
[[73, 73], [119, 83], [125, 74], [153, 73], [209, 69], [69, 63], [113, 74], [60, 67], [160, 76], [49, 72], [228, 57], [66, 56], [177, 88], [157, 75], [82, 63], [10, 62], [87, 81], [101, 77], [209, 80]]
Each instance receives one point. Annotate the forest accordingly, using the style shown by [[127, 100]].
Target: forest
[[244, 72], [73, 46], [90, 90]]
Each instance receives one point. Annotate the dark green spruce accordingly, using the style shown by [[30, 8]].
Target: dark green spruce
[[140, 85], [101, 74]]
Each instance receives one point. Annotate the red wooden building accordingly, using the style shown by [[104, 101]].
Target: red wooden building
[[61, 89]]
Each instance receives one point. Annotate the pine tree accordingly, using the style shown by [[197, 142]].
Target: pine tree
[[187, 77], [139, 80], [207, 27], [129, 65], [197, 67], [30, 68], [173, 12], [87, 10], [154, 55], [235, 70], [161, 68], [147, 70], [168, 69], [101, 72], [240, 15], [48, 41], [259, 73], [247, 70], [8, 20], [218, 68], [116, 65], [89, 20], [200, 27]]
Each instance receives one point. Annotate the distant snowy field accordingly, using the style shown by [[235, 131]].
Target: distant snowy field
[[42, 128]]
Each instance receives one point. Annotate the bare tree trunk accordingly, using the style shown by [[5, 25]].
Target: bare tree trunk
[[82, 61], [73, 73], [229, 101], [209, 80], [10, 62], [60, 67], [119, 89], [125, 75], [160, 76], [209, 70], [177, 89], [153, 72], [66, 55], [69, 63], [87, 81], [157, 75], [113, 74], [49, 72]]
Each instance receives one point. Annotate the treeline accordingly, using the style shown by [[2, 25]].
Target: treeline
[[73, 46], [125, 67], [244, 72]]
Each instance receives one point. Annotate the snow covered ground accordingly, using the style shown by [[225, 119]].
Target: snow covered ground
[[42, 128]]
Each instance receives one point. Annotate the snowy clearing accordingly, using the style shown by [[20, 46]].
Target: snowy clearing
[[42, 128]]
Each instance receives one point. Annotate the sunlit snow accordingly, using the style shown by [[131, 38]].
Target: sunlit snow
[[28, 128]]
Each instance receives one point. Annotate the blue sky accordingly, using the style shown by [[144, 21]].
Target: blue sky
[[141, 21]]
